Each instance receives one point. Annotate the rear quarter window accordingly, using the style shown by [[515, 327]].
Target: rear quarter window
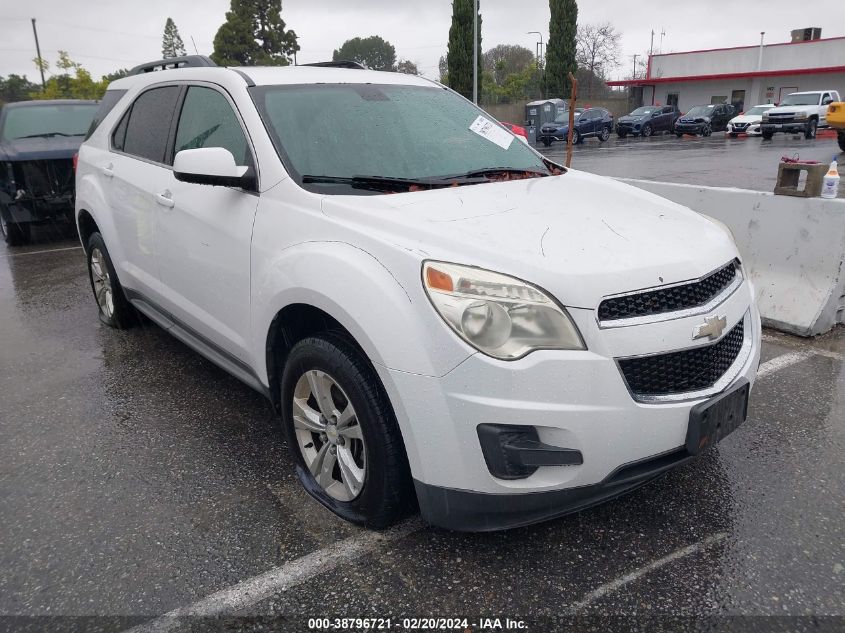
[[108, 102]]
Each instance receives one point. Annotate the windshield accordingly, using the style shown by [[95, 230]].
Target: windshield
[[757, 110], [563, 117], [701, 110], [642, 111], [48, 120], [387, 131], [799, 99]]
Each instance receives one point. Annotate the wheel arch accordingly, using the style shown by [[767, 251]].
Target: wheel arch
[[86, 225]]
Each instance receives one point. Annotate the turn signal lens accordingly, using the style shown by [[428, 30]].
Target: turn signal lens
[[438, 280]]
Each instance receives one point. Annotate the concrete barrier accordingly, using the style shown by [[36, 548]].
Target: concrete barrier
[[793, 248]]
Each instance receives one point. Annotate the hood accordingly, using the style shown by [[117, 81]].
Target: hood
[[747, 118], [579, 236], [796, 108], [39, 148], [632, 119]]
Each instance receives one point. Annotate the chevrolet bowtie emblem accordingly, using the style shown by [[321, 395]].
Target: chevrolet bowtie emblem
[[712, 328]]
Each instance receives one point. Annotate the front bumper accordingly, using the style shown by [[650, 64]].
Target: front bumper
[[689, 128], [575, 399], [795, 127], [551, 136], [628, 128]]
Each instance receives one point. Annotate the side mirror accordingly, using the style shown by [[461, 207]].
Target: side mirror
[[211, 166]]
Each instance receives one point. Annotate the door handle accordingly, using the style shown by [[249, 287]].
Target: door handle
[[165, 198], [108, 170]]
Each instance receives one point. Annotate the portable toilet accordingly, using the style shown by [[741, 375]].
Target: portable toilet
[[539, 112]]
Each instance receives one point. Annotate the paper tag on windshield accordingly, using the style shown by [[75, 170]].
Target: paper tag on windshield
[[493, 132]]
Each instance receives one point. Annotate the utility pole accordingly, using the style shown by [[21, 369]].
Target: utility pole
[[38, 50], [634, 76], [662, 33], [475, 53], [651, 46]]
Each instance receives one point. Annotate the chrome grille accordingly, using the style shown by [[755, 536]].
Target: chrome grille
[[671, 299]]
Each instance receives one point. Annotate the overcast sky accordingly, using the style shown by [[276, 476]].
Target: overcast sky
[[107, 35]]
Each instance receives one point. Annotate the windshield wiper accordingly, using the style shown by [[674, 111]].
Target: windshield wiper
[[376, 183], [497, 171], [49, 135]]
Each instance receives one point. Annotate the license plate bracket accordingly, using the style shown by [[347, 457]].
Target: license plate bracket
[[711, 421]]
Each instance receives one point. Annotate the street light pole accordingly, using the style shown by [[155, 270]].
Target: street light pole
[[475, 53], [38, 50], [539, 46]]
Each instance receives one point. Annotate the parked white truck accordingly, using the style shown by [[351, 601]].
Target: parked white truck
[[799, 113]]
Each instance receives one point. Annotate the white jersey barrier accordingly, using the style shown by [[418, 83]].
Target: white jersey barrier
[[793, 248]]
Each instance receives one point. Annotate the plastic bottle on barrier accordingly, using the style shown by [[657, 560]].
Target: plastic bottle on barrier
[[830, 184]]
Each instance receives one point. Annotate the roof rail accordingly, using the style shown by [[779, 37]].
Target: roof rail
[[341, 63], [187, 61]]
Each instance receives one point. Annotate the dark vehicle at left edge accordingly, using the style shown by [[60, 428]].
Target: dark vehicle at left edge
[[647, 120], [38, 140], [705, 119], [596, 122]]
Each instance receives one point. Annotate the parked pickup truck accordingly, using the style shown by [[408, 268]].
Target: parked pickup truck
[[836, 120], [799, 113]]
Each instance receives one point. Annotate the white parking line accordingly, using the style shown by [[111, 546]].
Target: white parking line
[[781, 362], [49, 250], [278, 579], [614, 585]]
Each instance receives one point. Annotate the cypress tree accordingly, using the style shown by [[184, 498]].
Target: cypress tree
[[171, 42], [254, 35], [459, 56], [560, 55]]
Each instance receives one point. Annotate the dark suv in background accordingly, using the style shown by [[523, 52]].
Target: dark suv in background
[[705, 119], [596, 122], [647, 120]]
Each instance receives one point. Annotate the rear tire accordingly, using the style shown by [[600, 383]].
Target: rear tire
[[605, 134], [112, 305], [810, 132], [14, 234], [576, 137], [362, 472]]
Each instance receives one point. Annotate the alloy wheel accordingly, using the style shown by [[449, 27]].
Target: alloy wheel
[[647, 131], [102, 283], [329, 435]]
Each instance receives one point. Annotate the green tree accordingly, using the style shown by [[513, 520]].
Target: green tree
[[373, 52], [506, 59], [71, 82], [254, 35], [459, 56], [561, 52], [16, 88], [118, 74], [408, 67], [171, 41]]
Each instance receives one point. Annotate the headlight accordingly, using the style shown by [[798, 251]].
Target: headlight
[[500, 316], [707, 119], [765, 116], [800, 115]]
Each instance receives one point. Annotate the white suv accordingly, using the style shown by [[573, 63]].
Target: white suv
[[440, 315]]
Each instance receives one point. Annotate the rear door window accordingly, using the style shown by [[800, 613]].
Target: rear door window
[[148, 127], [207, 120]]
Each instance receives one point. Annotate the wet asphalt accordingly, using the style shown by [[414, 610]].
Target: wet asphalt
[[717, 161], [136, 478]]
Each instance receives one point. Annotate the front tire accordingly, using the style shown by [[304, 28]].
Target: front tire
[[679, 134], [343, 433], [841, 138], [810, 132], [707, 131], [733, 134], [113, 306], [646, 131], [621, 134], [767, 136], [14, 234], [547, 142]]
